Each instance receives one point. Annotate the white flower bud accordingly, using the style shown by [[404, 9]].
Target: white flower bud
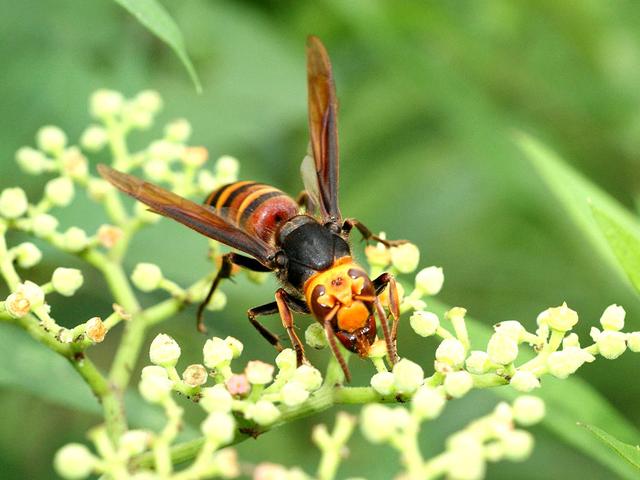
[[377, 423], [429, 280], [218, 301], [216, 352], [219, 428], [216, 399], [524, 381], [259, 373], [137, 118], [207, 182], [502, 349], [408, 376], [51, 139], [263, 412], [478, 362], [237, 384], [59, 191], [378, 349], [74, 163], [154, 388], [511, 328], [195, 375], [178, 131], [165, 150], [94, 138], [31, 160], [294, 393], [32, 292], [458, 384], [528, 410], [148, 100], [613, 318], [105, 103], [44, 225], [309, 376], [424, 323], [465, 466], [74, 461], [164, 351], [227, 168], [611, 344], [13, 202], [156, 169], [405, 257], [235, 345], [565, 362], [66, 281], [28, 255], [98, 189], [383, 383], [315, 337], [518, 445], [17, 305], [75, 239], [571, 340], [633, 341], [428, 402], [270, 471], [378, 255], [134, 442], [95, 330], [451, 351], [286, 359], [195, 156], [561, 318], [154, 371], [109, 235], [146, 276]]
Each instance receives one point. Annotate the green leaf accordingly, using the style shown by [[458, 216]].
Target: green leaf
[[568, 402], [152, 15], [574, 192], [631, 453], [624, 240]]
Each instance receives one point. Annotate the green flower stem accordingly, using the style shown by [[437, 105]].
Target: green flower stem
[[163, 463], [332, 445]]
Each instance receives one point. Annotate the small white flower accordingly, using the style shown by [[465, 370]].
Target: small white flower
[[146, 276], [154, 388], [263, 412], [164, 351], [148, 100], [216, 398], [134, 442], [74, 461], [98, 189], [227, 168], [565, 362], [207, 182], [424, 323], [611, 344], [44, 224], [528, 410], [613, 318], [294, 393], [94, 138], [571, 340], [286, 359], [219, 428], [428, 402], [59, 191], [109, 235], [95, 330], [309, 376], [31, 292], [218, 301], [75, 239], [429, 280], [165, 150], [408, 376], [235, 345], [405, 257], [66, 281], [216, 352], [451, 351], [518, 445], [195, 375], [383, 383], [512, 328], [17, 305], [178, 131], [13, 202], [561, 318], [105, 103], [195, 156], [465, 464], [633, 341], [259, 373], [28, 255], [51, 139], [156, 169], [31, 160], [377, 423], [458, 384], [315, 337], [478, 362], [154, 371], [524, 381], [502, 349]]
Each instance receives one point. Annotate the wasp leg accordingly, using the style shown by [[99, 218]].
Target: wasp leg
[[283, 300], [228, 260], [394, 307], [331, 337], [349, 223], [266, 309]]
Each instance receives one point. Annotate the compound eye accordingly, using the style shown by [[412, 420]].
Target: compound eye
[[319, 309]]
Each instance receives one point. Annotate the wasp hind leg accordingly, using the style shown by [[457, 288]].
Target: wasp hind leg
[[228, 261], [349, 223], [391, 337]]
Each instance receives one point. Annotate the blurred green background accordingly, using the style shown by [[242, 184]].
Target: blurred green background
[[430, 94]]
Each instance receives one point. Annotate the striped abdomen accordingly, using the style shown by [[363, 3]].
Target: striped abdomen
[[256, 208]]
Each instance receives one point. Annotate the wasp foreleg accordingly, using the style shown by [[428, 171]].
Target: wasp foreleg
[[228, 260], [283, 301], [384, 280], [349, 223]]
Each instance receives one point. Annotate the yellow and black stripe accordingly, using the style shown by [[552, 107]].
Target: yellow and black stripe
[[237, 201]]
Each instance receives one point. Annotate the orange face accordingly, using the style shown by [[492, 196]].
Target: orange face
[[344, 296]]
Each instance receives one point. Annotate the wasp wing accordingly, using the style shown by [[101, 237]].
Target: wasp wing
[[198, 217], [323, 126]]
